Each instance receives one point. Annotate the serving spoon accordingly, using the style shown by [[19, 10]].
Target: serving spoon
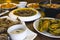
[[4, 12]]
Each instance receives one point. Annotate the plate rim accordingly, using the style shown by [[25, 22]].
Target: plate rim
[[42, 32]]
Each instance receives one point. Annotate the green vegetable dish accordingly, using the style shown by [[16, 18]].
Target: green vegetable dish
[[25, 12], [49, 25]]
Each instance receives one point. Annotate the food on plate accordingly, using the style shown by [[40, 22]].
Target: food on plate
[[17, 31], [24, 12], [33, 5], [6, 23], [3, 37], [43, 25], [7, 5], [53, 21], [49, 25], [51, 5], [53, 27]]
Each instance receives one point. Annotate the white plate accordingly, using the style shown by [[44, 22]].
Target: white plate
[[35, 24], [10, 8], [33, 3], [26, 19], [30, 35]]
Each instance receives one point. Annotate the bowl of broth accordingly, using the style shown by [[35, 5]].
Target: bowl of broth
[[25, 14], [17, 32]]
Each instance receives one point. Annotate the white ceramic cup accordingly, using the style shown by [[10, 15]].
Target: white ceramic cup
[[19, 36], [22, 4]]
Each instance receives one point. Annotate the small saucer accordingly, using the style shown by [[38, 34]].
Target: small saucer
[[30, 35]]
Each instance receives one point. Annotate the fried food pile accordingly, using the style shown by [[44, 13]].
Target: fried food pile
[[50, 25]]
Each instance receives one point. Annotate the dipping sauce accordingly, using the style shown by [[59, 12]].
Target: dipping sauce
[[17, 31]]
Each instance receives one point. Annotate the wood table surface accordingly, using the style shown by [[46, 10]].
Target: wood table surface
[[39, 36], [30, 26]]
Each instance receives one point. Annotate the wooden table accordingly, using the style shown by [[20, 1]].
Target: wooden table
[[39, 36]]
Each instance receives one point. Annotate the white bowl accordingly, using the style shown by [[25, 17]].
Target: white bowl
[[22, 4], [26, 19], [35, 25], [19, 36]]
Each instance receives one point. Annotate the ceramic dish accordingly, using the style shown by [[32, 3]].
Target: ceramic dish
[[30, 35], [35, 24], [8, 5], [26, 19], [22, 4], [51, 10], [33, 5], [17, 32]]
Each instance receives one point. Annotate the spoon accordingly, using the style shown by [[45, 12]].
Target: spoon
[[4, 12]]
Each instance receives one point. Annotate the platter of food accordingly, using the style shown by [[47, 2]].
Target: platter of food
[[8, 6], [33, 5], [25, 14], [48, 27], [54, 6]]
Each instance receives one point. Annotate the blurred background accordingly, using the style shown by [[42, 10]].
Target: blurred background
[[29, 1]]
